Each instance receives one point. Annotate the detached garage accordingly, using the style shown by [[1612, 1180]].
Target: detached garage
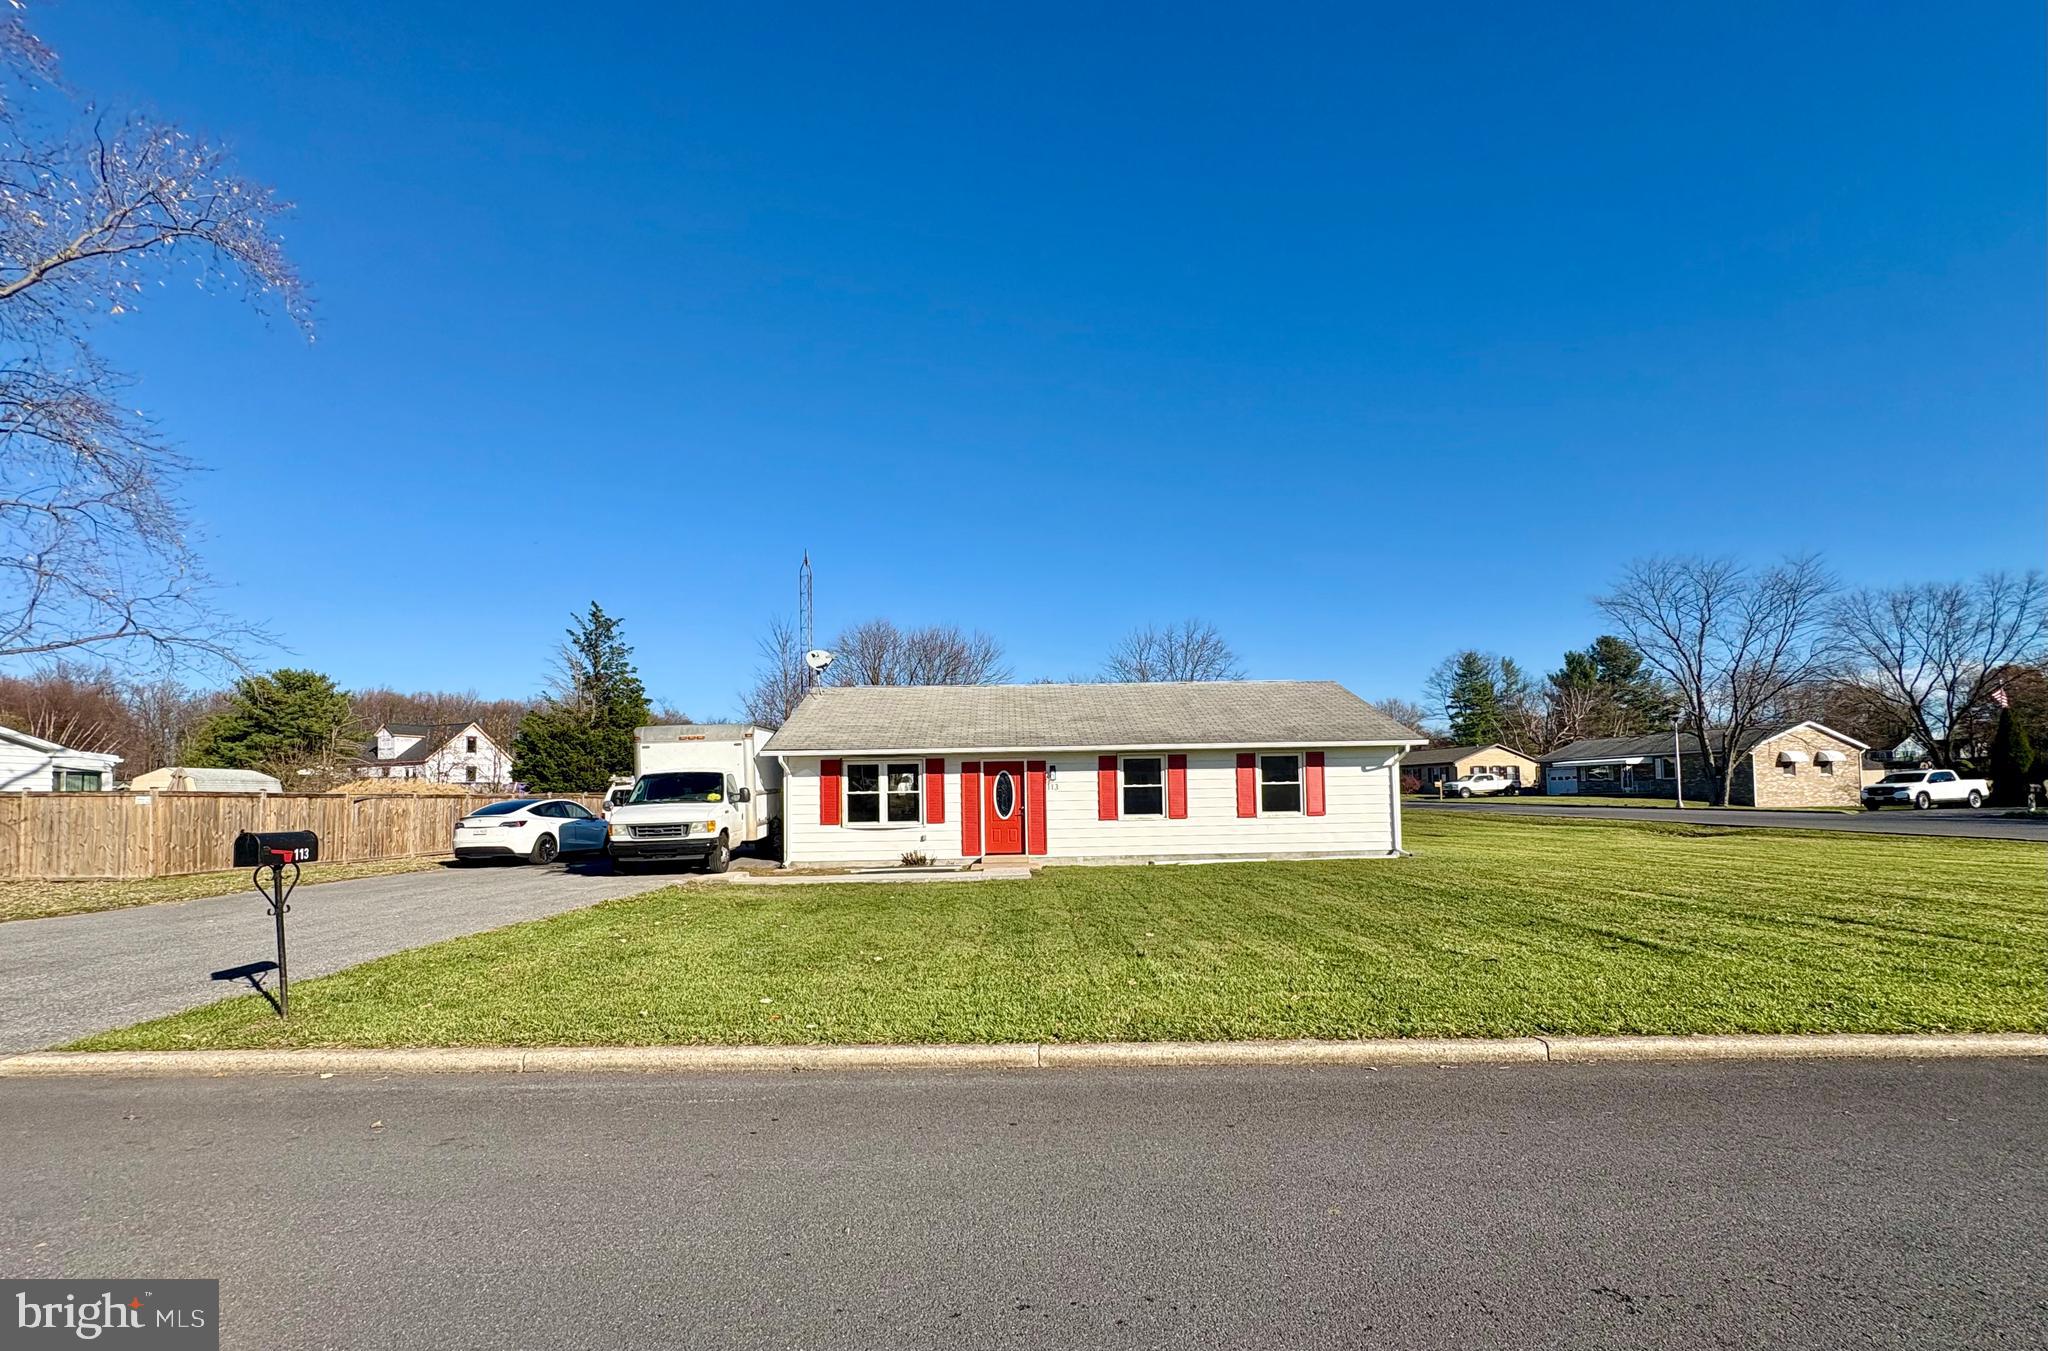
[[1215, 769]]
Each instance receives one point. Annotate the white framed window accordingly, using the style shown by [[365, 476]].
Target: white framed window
[[1144, 785], [882, 793], [75, 781], [469, 745], [1279, 784]]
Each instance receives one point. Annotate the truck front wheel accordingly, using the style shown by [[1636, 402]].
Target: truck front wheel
[[1922, 802], [719, 857]]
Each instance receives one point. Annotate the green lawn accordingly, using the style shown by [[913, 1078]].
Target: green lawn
[[1498, 926], [40, 900]]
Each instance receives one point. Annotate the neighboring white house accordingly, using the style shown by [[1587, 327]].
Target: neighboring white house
[[29, 764], [205, 779], [456, 752], [1213, 769]]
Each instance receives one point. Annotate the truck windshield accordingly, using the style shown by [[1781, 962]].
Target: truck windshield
[[690, 786], [1902, 778]]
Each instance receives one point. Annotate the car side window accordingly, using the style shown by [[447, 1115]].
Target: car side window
[[1943, 777], [548, 809], [575, 811]]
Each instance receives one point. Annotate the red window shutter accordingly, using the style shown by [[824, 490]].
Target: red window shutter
[[1177, 787], [1312, 785], [935, 792], [1247, 784], [970, 809], [1034, 806], [1105, 788], [828, 792]]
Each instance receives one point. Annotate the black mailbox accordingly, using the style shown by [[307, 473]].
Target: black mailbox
[[254, 849]]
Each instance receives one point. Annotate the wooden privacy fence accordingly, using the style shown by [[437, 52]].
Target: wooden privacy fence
[[74, 836]]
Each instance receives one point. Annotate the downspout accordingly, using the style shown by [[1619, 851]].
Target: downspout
[[1394, 798], [788, 816]]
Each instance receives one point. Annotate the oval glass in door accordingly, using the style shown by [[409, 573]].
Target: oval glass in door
[[1005, 795]]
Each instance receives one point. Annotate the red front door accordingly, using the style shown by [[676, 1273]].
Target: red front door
[[1002, 807]]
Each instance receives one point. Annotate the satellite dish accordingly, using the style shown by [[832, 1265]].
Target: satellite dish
[[817, 659]]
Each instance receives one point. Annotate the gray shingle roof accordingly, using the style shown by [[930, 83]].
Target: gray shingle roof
[[1083, 717], [1659, 743], [1630, 747]]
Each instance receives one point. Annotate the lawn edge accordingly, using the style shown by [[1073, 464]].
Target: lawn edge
[[1023, 1055]]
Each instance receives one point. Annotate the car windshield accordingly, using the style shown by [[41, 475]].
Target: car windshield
[[689, 786], [503, 808], [1902, 778]]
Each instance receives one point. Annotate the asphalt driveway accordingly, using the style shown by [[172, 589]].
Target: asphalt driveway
[[1956, 823], [66, 977]]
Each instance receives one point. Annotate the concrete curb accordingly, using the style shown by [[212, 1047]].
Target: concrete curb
[[1021, 1055]]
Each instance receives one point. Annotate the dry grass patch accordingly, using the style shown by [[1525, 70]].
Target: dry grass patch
[[41, 900]]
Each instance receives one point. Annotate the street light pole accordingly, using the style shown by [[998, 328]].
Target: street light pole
[[1677, 763]]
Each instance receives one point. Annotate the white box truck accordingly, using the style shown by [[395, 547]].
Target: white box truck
[[700, 790]]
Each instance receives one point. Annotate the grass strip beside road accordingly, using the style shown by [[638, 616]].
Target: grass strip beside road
[[41, 900], [1600, 800], [1499, 926]]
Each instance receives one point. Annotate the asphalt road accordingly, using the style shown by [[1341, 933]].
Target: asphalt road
[[1956, 822], [1816, 1205], [65, 977]]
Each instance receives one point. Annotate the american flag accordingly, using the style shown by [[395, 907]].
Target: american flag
[[1998, 697]]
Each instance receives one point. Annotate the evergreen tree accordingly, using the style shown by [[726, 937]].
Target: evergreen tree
[[1473, 706], [1636, 700], [277, 723], [583, 734], [2012, 762]]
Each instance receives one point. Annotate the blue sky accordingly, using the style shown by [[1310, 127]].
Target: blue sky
[[1366, 332]]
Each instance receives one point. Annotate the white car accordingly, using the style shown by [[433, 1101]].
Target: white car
[[1924, 788], [1479, 784], [539, 830]]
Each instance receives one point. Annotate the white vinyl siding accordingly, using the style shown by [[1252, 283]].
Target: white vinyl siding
[[1359, 798]]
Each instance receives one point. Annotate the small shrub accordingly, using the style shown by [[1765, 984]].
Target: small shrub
[[1411, 783], [913, 859]]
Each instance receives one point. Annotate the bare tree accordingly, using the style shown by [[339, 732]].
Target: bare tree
[[1731, 641], [1189, 650], [877, 652], [782, 678], [94, 551], [1933, 654], [1404, 711]]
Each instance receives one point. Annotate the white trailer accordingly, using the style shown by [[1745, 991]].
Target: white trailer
[[700, 790]]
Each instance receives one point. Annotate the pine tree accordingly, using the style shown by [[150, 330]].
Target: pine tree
[[1473, 707], [2012, 760], [278, 723], [583, 735], [1636, 701]]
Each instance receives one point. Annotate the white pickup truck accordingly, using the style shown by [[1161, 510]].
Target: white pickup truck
[[1479, 784], [1924, 788]]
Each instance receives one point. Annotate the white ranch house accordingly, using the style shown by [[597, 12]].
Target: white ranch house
[[451, 752], [29, 764], [1209, 770]]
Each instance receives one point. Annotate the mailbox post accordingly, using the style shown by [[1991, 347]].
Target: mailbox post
[[273, 852]]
